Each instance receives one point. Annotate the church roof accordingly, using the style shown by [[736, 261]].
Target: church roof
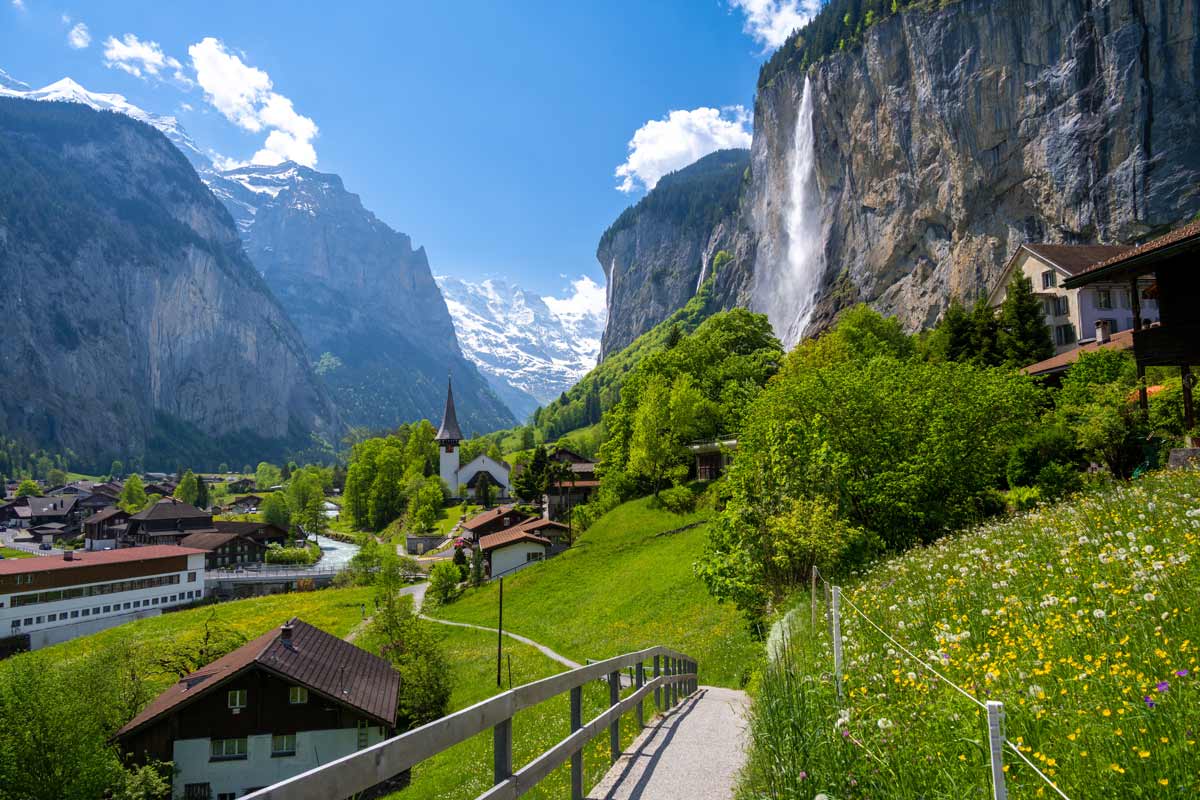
[[449, 430]]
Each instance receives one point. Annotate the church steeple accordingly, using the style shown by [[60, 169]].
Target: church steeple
[[449, 432]]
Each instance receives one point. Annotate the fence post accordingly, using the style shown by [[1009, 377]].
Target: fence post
[[995, 713], [502, 751], [837, 638], [577, 756], [614, 730], [657, 689], [812, 596], [638, 681]]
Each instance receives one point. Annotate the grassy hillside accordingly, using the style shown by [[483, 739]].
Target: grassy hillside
[[1080, 617], [622, 588]]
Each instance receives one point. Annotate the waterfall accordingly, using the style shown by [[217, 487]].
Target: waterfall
[[786, 285]]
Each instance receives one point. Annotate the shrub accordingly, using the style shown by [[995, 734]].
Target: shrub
[[443, 583], [678, 499], [412, 648], [1022, 498], [1057, 480], [1050, 445], [308, 554]]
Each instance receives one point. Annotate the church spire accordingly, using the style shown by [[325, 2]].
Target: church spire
[[449, 432]]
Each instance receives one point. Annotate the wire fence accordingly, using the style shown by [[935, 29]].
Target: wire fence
[[997, 739]]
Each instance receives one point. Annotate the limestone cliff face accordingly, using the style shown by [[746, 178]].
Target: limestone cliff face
[[658, 252], [134, 326], [359, 292], [950, 137]]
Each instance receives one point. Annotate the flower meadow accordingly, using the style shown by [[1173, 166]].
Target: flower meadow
[[1080, 617]]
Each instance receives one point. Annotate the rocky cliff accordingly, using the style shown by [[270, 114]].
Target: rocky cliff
[[658, 252], [947, 138], [135, 326], [365, 301]]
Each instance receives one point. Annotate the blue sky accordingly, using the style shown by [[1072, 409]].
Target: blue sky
[[490, 132]]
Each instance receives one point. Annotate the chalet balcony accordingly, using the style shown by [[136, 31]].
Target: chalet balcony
[[1167, 345]]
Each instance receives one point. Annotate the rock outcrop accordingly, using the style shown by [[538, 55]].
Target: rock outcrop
[[135, 326]]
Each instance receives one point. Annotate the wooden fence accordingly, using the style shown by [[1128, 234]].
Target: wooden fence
[[672, 678]]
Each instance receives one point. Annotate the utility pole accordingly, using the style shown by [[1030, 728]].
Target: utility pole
[[500, 634]]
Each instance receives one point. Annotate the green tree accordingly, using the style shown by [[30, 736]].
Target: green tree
[[1024, 337], [424, 504], [412, 647], [386, 501], [266, 476], [306, 499], [56, 477], [28, 488], [653, 453], [953, 339], [133, 497], [186, 491], [530, 484], [443, 583], [116, 471], [275, 510], [223, 468], [202, 499], [476, 566]]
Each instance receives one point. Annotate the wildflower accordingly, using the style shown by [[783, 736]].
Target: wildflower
[[1149, 703], [1036, 692], [1181, 673], [1098, 613], [1162, 686], [912, 676], [1148, 597], [884, 723]]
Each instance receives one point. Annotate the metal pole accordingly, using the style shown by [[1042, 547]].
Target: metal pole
[[614, 730], [577, 756], [995, 713], [500, 633], [837, 638]]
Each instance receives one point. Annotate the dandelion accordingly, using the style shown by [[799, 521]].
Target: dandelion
[[884, 723], [912, 676], [1148, 597], [1036, 692]]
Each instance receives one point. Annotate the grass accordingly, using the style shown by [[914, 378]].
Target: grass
[[1081, 618], [332, 610], [9, 552], [621, 588]]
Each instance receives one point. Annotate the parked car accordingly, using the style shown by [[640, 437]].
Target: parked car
[[45, 546]]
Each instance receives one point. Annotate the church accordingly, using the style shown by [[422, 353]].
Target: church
[[465, 481]]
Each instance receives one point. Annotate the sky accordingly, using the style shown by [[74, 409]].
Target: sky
[[504, 137]]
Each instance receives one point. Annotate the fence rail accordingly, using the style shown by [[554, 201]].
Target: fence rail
[[673, 678]]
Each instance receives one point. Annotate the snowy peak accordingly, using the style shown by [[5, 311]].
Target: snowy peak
[[9, 82], [541, 346]]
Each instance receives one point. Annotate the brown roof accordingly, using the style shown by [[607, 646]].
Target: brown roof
[[578, 484], [57, 506], [103, 514], [494, 540], [89, 558], [315, 659], [1179, 236], [487, 516], [1058, 363], [211, 540], [1075, 258], [254, 530], [170, 508]]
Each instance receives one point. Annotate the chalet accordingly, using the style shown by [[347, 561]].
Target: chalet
[[104, 529], [53, 599], [32, 512], [1169, 264], [52, 533], [246, 505], [226, 549], [493, 520], [240, 486], [262, 532], [167, 522], [713, 457], [1072, 313], [508, 551], [563, 495], [291, 700]]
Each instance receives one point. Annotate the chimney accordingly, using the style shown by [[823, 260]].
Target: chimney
[[68, 555], [1101, 331], [285, 634]]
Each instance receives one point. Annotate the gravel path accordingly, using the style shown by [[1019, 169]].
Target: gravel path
[[546, 651], [417, 590], [694, 752]]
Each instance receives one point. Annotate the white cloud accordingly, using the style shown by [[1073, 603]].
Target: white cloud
[[770, 22], [186, 107], [78, 37], [664, 145], [140, 59], [587, 299], [19, 5], [243, 94]]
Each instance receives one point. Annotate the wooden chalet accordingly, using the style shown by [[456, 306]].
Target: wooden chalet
[[493, 520], [226, 548], [167, 522], [104, 529], [262, 532]]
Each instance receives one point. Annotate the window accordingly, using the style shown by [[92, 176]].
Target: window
[[1064, 334], [1062, 306], [283, 744], [228, 749], [16, 623], [227, 796], [52, 618], [107, 609], [127, 606], [191, 577], [297, 695], [38, 620], [533, 557], [74, 614], [1104, 298], [87, 611], [363, 729], [1049, 279], [237, 698], [197, 791], [137, 603]]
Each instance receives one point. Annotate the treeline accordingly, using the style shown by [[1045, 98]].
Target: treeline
[[18, 462], [394, 477], [839, 25]]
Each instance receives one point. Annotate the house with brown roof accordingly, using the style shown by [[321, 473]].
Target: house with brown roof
[[104, 529], [1073, 314], [226, 548], [508, 551], [167, 522], [493, 520], [291, 700], [263, 532]]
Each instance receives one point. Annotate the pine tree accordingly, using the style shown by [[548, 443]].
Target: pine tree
[[1024, 337], [985, 337], [202, 500]]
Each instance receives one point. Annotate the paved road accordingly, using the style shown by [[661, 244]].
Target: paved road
[[695, 751]]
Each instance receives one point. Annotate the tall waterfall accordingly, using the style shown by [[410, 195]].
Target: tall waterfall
[[786, 282]]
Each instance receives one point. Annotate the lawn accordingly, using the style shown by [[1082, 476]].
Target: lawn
[[465, 771], [9, 552], [622, 588], [1080, 617], [332, 610]]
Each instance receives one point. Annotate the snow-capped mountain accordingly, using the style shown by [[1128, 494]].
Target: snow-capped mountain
[[541, 346]]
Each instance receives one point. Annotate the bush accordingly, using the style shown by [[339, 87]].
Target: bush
[[1022, 498], [678, 499], [1058, 480], [305, 555], [1050, 445], [412, 648], [443, 583]]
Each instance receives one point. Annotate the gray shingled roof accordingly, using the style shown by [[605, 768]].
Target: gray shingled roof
[[449, 430]]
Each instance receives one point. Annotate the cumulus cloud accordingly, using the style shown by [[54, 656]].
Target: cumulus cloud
[[142, 59], [587, 299], [770, 22], [244, 95], [78, 37], [664, 145]]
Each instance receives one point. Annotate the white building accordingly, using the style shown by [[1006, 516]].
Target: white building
[[291, 700], [1073, 314], [513, 549], [464, 481], [52, 599]]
